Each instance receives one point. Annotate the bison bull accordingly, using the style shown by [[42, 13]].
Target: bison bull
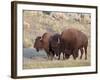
[[74, 40], [55, 45]]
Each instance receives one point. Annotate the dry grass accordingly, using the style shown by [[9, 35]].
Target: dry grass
[[56, 63], [40, 23], [45, 63]]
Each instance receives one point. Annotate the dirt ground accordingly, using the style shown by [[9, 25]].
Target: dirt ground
[[33, 61]]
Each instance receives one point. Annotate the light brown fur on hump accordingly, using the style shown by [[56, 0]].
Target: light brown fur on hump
[[45, 39]]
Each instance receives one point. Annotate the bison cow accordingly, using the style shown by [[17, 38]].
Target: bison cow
[[75, 40], [43, 43]]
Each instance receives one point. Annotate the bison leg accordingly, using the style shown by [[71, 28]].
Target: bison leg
[[67, 56], [74, 56], [81, 53], [75, 53], [51, 54], [59, 56], [63, 56], [85, 52], [48, 55]]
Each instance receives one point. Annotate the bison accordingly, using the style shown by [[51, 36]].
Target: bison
[[74, 40], [43, 43], [69, 42], [55, 45]]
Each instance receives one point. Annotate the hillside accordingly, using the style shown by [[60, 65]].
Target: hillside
[[38, 22]]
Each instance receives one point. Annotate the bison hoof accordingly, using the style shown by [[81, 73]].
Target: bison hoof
[[74, 58], [63, 58], [58, 58], [80, 57], [85, 58]]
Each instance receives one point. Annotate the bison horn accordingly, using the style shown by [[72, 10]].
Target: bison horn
[[41, 38]]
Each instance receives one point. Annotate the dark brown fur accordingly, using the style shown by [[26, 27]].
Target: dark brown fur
[[55, 45]]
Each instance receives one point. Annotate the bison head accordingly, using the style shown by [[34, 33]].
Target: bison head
[[55, 40], [38, 43]]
